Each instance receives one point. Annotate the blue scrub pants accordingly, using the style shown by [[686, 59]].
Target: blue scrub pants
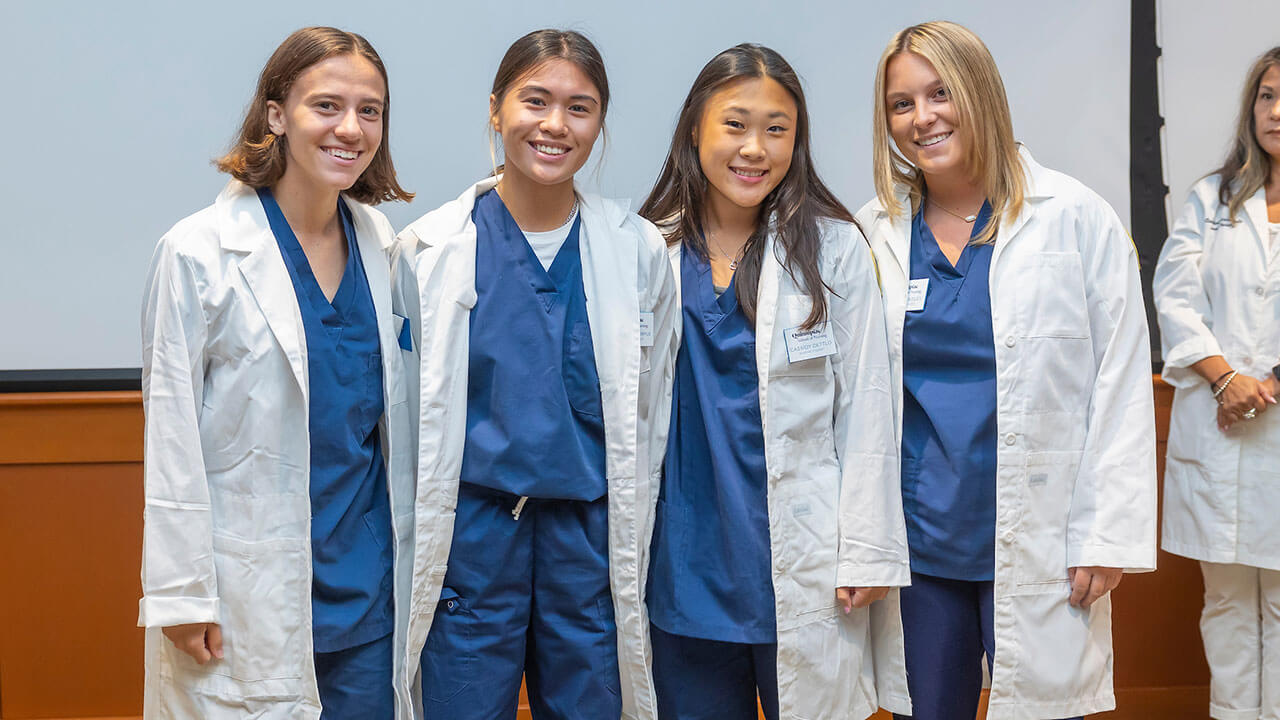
[[528, 596], [356, 682], [947, 626], [698, 679]]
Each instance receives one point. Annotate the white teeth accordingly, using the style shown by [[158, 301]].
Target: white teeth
[[344, 154], [549, 150], [749, 173], [933, 140]]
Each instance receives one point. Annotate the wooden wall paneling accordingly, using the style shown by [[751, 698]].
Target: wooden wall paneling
[[70, 543]]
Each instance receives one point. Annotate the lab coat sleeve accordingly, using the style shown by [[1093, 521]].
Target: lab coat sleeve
[[1112, 519], [179, 583], [873, 536], [1182, 306], [655, 424]]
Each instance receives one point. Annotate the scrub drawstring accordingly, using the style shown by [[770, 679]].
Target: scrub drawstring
[[515, 512]]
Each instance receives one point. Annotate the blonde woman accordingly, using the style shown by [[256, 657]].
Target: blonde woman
[[1217, 290], [1020, 351]]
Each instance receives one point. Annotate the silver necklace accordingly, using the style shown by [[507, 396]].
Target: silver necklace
[[733, 261], [967, 218]]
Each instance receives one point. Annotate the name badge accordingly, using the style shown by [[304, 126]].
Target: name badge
[[916, 290], [646, 329], [809, 344]]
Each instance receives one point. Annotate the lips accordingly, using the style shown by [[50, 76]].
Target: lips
[[933, 139], [553, 150]]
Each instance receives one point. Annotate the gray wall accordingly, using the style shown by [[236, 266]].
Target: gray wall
[[113, 111]]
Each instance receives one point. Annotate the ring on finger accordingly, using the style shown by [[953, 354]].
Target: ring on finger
[[1251, 414]]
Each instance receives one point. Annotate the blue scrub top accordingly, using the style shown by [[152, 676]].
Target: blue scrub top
[[710, 576], [351, 536], [535, 423], [949, 411]]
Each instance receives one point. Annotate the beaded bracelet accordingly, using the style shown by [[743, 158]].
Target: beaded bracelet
[[1231, 376]]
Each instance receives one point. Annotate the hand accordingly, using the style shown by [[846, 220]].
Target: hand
[[859, 597], [1242, 395], [1090, 583], [202, 641]]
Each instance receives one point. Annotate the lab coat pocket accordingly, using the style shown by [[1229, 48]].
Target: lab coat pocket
[[1052, 298], [805, 542], [1039, 539], [449, 654], [263, 590], [793, 310]]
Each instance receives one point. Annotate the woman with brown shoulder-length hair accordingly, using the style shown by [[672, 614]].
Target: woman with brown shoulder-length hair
[[278, 496]]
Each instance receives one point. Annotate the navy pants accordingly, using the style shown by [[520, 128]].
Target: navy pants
[[947, 626], [524, 597], [356, 682], [698, 679]]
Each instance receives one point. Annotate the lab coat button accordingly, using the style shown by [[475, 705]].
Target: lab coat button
[[1007, 537], [1259, 291], [1010, 439], [1010, 341]]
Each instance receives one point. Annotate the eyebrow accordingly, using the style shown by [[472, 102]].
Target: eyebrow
[[331, 96], [544, 91], [773, 115]]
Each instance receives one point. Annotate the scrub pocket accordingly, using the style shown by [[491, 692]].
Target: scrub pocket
[[609, 649], [581, 382], [449, 654]]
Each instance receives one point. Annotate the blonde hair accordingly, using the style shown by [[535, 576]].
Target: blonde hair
[[1247, 166], [973, 82]]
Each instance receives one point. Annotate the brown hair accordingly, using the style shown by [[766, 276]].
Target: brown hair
[[678, 199], [969, 73], [1247, 166], [258, 157], [538, 47]]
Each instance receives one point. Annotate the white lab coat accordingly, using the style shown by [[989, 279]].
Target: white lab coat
[[835, 504], [227, 532], [624, 273], [1217, 290], [1075, 477]]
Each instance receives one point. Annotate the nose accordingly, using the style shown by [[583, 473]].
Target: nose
[[553, 122], [752, 148], [348, 129], [923, 116]]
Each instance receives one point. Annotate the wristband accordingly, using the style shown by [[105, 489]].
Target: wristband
[[1223, 386], [1275, 372]]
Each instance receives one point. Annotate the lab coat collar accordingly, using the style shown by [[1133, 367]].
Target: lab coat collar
[[454, 218], [1040, 187]]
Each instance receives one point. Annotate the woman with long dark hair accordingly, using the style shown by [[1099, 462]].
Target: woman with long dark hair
[[779, 520], [1217, 292], [276, 428], [541, 320]]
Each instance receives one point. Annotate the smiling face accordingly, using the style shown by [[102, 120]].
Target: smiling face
[[332, 120], [922, 118], [745, 140], [1266, 113], [548, 120]]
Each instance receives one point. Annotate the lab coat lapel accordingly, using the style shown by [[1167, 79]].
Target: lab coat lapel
[[374, 258], [610, 270], [246, 229], [1256, 209], [766, 317]]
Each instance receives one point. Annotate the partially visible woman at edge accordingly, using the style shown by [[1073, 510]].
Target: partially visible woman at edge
[[779, 520], [542, 324], [1217, 294], [1023, 388], [278, 495]]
